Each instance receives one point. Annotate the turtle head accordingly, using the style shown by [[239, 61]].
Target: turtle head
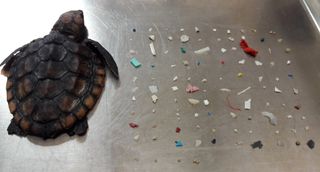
[[71, 24]]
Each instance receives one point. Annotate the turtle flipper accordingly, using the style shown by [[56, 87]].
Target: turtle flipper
[[100, 50], [13, 128], [80, 128], [10, 59]]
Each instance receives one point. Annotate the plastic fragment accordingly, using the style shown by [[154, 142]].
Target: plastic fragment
[[243, 91], [182, 29], [235, 130], [280, 40], [270, 51], [206, 102], [221, 61], [196, 162], [152, 37], [153, 50], [242, 61], [132, 52], [277, 132], [249, 118], [231, 39], [234, 48], [223, 50], [260, 78], [233, 115], [311, 144], [277, 78], [288, 50], [166, 52], [184, 38], [154, 98], [153, 89], [135, 63], [214, 29], [303, 117], [193, 101], [257, 144], [179, 143], [133, 98], [183, 50], [250, 131], [196, 115], [228, 31], [307, 128], [174, 88], [245, 47], [258, 63], [175, 78], [288, 62], [204, 80], [225, 90], [202, 50], [189, 78], [153, 111], [213, 130], [196, 29], [185, 63], [173, 66], [198, 143], [133, 125], [134, 79], [277, 90], [170, 38], [289, 116], [191, 89], [247, 104], [230, 106], [272, 118], [136, 137], [240, 74], [178, 130], [298, 143]]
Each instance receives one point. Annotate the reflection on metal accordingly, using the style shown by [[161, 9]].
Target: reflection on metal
[[313, 9]]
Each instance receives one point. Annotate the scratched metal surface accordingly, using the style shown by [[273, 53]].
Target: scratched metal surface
[[109, 144]]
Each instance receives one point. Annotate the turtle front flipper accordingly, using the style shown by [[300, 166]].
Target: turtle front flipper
[[80, 128], [101, 51]]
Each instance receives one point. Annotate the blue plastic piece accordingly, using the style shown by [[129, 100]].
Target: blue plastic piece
[[179, 143], [135, 63]]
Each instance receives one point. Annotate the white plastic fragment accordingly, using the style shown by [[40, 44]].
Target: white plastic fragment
[[196, 29], [189, 78], [277, 78], [225, 90], [170, 38], [198, 126], [214, 29], [270, 51], [235, 130], [231, 39], [295, 91], [277, 90], [154, 98], [153, 51], [307, 128], [182, 29], [272, 119], [260, 78], [280, 40], [166, 52], [196, 115], [153, 89], [303, 117], [288, 62], [206, 102], [198, 143], [133, 52], [243, 91], [258, 63], [250, 131], [185, 63], [223, 50], [267, 104], [204, 80], [152, 37], [175, 78], [242, 61], [173, 65], [213, 130], [272, 63], [150, 29], [234, 48], [134, 79], [184, 38], [133, 98], [202, 50], [228, 31], [247, 104], [193, 101], [153, 111], [174, 88], [233, 115], [289, 116], [277, 132], [136, 137]]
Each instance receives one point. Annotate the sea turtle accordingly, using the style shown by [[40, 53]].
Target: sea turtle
[[53, 82]]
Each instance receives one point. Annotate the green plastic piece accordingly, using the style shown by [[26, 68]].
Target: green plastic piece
[[135, 63], [183, 50]]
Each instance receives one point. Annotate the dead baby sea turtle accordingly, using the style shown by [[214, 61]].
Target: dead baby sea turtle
[[54, 81]]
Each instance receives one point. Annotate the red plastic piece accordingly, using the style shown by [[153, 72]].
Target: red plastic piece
[[133, 125], [244, 45], [178, 130], [221, 62], [191, 88]]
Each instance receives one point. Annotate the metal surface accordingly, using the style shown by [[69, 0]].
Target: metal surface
[[109, 144]]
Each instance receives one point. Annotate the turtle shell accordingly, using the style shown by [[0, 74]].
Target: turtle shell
[[52, 85]]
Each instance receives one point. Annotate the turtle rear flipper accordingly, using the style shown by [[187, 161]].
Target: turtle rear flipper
[[13, 128], [80, 128]]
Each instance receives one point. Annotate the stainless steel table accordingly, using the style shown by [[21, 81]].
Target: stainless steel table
[[109, 143]]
